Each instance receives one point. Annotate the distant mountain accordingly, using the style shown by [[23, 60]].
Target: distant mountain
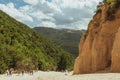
[[24, 48], [65, 38]]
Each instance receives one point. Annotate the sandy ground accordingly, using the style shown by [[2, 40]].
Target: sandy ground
[[61, 76]]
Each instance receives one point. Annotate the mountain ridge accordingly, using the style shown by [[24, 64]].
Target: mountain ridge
[[65, 38]]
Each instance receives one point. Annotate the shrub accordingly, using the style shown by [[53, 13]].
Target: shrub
[[113, 5]]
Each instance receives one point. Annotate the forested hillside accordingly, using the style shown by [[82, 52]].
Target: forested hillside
[[24, 48], [65, 38]]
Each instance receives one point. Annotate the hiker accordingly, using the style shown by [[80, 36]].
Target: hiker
[[7, 71], [31, 72], [10, 71], [22, 72], [66, 72]]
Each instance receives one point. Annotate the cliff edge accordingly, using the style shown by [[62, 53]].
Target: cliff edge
[[99, 48]]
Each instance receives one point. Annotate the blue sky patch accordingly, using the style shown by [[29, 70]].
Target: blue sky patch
[[17, 3], [49, 0]]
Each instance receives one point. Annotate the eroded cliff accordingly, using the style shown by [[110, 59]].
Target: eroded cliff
[[99, 49]]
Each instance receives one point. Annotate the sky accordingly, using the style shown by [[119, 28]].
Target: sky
[[68, 14]]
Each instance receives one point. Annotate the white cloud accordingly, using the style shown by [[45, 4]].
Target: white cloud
[[48, 24], [32, 2], [10, 5], [72, 14], [76, 25], [72, 4], [12, 11]]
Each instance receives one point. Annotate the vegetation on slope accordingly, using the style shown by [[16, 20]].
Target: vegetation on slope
[[66, 39], [113, 6], [112, 3], [24, 48]]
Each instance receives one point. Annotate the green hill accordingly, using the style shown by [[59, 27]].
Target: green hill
[[65, 38], [23, 48]]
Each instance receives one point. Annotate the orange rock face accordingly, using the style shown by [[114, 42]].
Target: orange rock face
[[115, 67], [99, 48]]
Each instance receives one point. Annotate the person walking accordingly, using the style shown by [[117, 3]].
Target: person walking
[[7, 71]]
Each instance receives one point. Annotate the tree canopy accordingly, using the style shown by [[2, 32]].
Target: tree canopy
[[23, 47]]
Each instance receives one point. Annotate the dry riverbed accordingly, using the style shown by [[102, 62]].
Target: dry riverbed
[[61, 76]]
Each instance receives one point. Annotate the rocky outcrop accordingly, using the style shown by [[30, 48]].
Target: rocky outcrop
[[99, 48], [115, 66]]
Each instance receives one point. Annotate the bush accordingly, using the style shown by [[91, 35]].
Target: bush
[[112, 3], [113, 6], [3, 67]]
